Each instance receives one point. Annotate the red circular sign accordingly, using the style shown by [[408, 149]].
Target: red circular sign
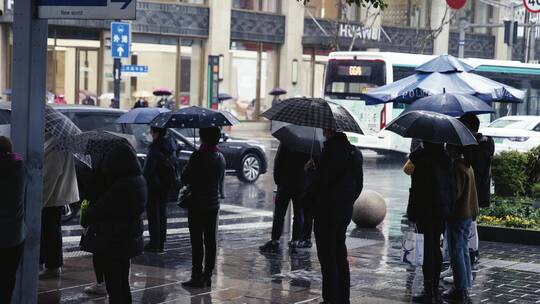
[[532, 6], [456, 4]]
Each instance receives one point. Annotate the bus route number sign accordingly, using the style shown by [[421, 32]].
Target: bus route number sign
[[532, 6], [355, 71]]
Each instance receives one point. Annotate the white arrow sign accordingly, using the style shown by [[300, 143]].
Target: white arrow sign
[[120, 50]]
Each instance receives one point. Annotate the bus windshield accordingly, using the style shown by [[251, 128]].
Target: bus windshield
[[349, 79]]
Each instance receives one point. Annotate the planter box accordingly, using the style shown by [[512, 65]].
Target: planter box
[[509, 235]]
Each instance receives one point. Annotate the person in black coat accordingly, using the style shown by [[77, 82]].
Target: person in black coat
[[115, 227], [432, 195], [204, 174], [337, 184], [289, 178], [12, 230], [159, 172]]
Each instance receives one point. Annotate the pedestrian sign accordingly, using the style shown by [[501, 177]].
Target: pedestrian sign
[[120, 39], [87, 9]]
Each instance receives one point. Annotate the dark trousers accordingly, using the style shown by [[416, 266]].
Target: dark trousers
[[116, 272], [432, 230], [307, 229], [9, 262], [51, 237], [330, 237], [98, 269], [156, 212], [203, 233], [283, 197]]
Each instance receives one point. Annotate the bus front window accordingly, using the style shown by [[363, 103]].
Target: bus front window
[[349, 79]]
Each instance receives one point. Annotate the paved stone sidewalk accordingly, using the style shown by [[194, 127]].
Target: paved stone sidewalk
[[507, 274]]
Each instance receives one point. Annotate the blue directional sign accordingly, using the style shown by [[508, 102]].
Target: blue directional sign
[[87, 9], [120, 39], [139, 69]]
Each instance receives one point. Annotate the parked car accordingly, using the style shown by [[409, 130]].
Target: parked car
[[514, 133]]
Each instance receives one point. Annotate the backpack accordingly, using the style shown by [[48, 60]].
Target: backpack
[[357, 162]]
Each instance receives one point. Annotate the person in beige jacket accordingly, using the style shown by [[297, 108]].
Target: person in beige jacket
[[59, 189]]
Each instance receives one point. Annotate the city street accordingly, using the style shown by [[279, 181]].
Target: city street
[[507, 274]]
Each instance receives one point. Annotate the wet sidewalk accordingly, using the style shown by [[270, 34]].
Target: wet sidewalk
[[507, 273]]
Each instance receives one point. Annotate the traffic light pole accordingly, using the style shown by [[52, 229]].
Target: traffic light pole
[[117, 67], [27, 125]]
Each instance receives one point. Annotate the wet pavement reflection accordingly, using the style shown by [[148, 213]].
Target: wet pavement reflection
[[507, 273]]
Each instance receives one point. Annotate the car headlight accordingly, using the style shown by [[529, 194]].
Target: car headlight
[[518, 138]]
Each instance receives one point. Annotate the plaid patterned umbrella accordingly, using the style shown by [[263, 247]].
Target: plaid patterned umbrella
[[314, 112], [59, 125]]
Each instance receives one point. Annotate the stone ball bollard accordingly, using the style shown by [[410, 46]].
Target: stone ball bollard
[[369, 209]]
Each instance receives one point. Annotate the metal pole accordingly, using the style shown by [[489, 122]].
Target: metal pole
[[511, 40], [461, 43], [29, 88], [117, 78], [532, 43]]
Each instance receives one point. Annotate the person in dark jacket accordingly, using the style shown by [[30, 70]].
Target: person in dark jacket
[[204, 175], [289, 178], [432, 195], [114, 219], [12, 229], [335, 188], [459, 223], [159, 172]]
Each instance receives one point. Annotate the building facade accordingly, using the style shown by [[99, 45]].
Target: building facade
[[261, 44]]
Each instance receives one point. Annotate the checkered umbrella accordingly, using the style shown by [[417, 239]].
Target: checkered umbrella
[[97, 144], [59, 125], [314, 112]]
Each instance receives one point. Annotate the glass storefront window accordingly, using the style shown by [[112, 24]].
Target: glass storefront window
[[253, 75], [312, 69], [325, 9], [406, 13], [270, 6]]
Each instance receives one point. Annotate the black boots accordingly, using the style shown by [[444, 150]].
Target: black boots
[[430, 295], [458, 296], [199, 280]]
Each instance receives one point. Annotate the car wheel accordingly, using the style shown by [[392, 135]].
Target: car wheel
[[70, 212], [250, 168]]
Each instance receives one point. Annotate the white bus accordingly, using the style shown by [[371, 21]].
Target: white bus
[[349, 74]]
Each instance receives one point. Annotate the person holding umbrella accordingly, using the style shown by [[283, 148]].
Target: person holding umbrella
[[160, 173], [204, 174], [289, 178], [337, 184]]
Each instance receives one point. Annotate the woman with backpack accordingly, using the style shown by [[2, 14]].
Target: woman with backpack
[[159, 171], [204, 175]]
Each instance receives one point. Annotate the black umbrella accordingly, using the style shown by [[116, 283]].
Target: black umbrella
[[314, 112], [224, 96], [432, 127], [277, 92], [451, 104], [307, 140], [194, 117], [97, 144]]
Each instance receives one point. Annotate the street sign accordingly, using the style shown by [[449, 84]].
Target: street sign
[[532, 6], [134, 70], [87, 9], [456, 4], [120, 39]]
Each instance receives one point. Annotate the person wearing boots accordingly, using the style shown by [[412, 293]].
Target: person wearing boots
[[289, 178], [431, 196], [204, 174]]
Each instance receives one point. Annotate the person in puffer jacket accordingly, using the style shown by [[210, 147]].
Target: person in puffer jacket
[[115, 226]]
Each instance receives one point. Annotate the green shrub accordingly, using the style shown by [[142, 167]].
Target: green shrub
[[511, 212], [533, 165], [535, 191], [509, 173]]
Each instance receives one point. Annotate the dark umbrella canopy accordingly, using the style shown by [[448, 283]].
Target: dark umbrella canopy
[[162, 92], [451, 104], [97, 144], [420, 85], [277, 92], [314, 112], [302, 139], [141, 115], [194, 117], [224, 96], [432, 127], [444, 63]]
